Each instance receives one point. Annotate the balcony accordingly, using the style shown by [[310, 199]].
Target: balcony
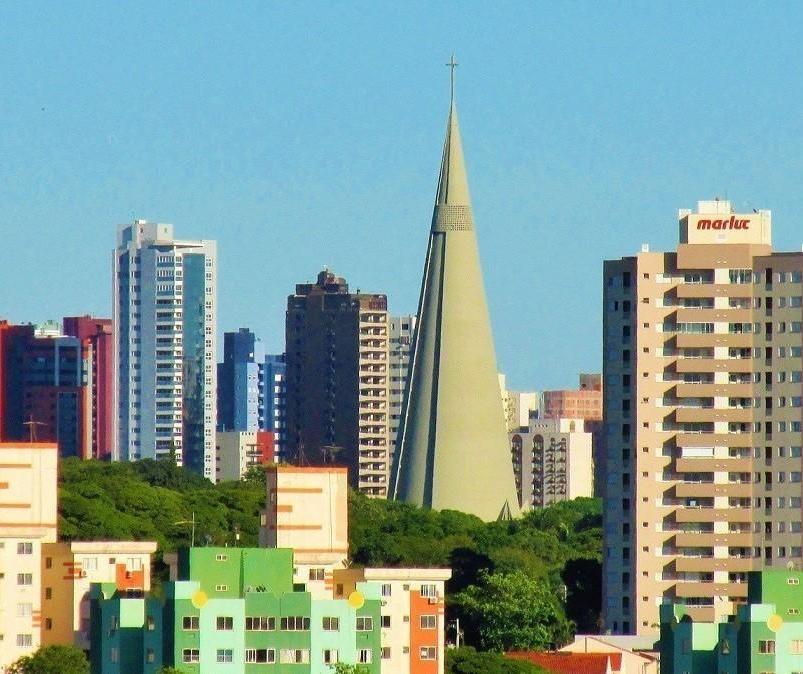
[[712, 290], [709, 489], [715, 440], [730, 564], [734, 390], [712, 465], [702, 589], [714, 365], [705, 515], [710, 539], [694, 315], [710, 414], [710, 339]]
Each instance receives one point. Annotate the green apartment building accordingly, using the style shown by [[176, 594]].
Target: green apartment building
[[764, 637], [234, 611]]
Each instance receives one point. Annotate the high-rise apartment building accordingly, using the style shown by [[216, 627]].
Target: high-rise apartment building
[[97, 341], [239, 451], [165, 346], [400, 338], [702, 409], [251, 388], [337, 380], [584, 402], [44, 393], [552, 461], [518, 406]]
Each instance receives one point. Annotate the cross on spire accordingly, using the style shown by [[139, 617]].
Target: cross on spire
[[452, 65]]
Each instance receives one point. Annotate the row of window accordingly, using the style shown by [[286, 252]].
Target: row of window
[[297, 623], [329, 656]]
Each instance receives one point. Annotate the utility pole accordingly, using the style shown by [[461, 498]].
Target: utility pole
[[32, 424]]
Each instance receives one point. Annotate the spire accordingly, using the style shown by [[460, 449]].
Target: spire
[[453, 182], [452, 450]]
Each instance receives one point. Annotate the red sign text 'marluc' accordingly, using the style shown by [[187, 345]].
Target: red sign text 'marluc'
[[731, 223]]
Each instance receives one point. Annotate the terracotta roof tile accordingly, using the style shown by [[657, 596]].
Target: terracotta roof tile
[[571, 663]]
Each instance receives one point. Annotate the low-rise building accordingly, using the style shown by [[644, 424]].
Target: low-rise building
[[765, 634], [238, 451], [231, 609], [552, 461], [68, 570]]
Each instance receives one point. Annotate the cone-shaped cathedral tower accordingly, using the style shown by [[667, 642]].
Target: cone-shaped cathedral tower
[[453, 451]]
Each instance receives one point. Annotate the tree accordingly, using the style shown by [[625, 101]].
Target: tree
[[511, 611], [169, 670], [343, 668], [52, 660], [583, 580], [466, 660]]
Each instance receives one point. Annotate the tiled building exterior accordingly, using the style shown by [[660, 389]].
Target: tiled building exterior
[[400, 339], [702, 407]]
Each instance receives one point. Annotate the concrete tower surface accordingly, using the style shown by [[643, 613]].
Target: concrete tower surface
[[452, 451]]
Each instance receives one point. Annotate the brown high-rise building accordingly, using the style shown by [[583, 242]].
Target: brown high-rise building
[[702, 408], [337, 380]]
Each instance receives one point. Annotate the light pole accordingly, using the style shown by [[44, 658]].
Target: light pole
[[192, 521]]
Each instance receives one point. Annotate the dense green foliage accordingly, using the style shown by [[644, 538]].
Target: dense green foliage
[[560, 547], [466, 660], [52, 660], [549, 559], [155, 500]]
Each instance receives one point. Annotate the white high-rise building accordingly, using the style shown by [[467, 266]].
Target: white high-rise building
[[165, 346], [400, 339]]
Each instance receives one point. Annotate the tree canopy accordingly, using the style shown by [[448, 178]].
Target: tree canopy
[[551, 555], [467, 660], [52, 660]]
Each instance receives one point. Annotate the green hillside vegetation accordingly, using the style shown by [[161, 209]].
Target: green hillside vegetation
[[525, 583]]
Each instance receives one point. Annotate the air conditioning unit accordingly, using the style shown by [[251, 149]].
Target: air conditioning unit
[[433, 600]]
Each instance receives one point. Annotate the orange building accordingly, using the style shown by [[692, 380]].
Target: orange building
[[582, 403]]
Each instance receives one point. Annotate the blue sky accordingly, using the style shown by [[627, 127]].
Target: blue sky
[[303, 134]]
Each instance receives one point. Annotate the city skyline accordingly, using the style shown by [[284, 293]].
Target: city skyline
[[581, 131]]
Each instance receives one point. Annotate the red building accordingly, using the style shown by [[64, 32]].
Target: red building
[[42, 393], [98, 356], [583, 403]]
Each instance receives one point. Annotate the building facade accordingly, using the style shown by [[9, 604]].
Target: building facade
[[400, 339], [97, 342], [337, 380], [27, 523], [45, 393], [584, 402], [251, 391], [234, 609], [552, 461], [702, 396], [238, 451], [765, 635], [518, 406], [165, 346]]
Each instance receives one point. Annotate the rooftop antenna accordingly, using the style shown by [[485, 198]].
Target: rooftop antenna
[[452, 65], [32, 424]]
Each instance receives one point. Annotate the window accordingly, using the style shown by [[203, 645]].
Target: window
[[190, 655], [364, 656], [221, 588], [151, 623], [386, 589], [365, 623], [766, 646], [225, 623], [24, 640], [330, 656], [24, 548], [385, 653], [294, 623], [793, 581], [294, 656], [429, 590], [331, 624], [189, 622], [24, 609], [261, 623], [224, 655], [316, 574], [796, 646], [385, 621], [24, 579], [150, 656], [428, 622], [260, 655], [114, 654], [427, 653]]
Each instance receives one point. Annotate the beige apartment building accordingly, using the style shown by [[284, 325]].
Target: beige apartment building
[[552, 461], [702, 408]]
